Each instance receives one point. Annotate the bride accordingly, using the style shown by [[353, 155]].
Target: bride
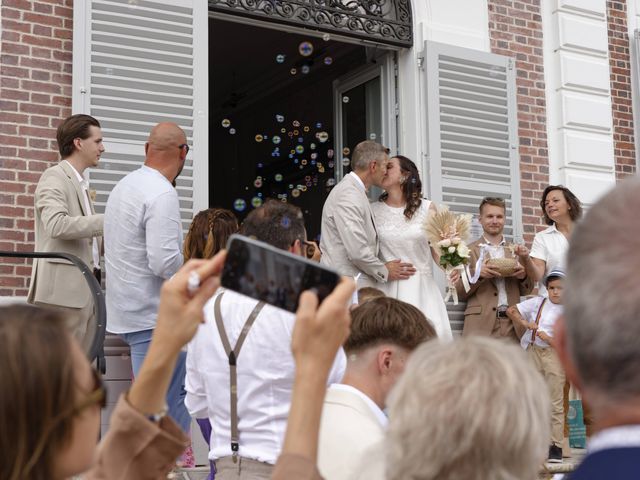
[[400, 215]]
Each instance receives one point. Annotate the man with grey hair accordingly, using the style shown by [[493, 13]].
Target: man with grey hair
[[349, 240], [598, 341]]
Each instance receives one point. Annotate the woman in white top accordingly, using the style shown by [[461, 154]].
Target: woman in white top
[[400, 215], [561, 209]]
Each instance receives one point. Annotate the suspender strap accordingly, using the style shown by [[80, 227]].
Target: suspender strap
[[232, 355], [533, 332]]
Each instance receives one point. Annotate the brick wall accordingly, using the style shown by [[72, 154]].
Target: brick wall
[[35, 93], [515, 30], [621, 100]]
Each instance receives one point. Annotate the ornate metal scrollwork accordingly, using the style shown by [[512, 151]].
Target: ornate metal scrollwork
[[383, 21]]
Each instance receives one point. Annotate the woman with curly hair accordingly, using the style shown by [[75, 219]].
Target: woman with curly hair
[[400, 214], [209, 231]]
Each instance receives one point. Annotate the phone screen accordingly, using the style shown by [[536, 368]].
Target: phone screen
[[266, 273]]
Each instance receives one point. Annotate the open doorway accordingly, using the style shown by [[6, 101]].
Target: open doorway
[[275, 98]]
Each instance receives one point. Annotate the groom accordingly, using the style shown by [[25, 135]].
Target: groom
[[349, 240]]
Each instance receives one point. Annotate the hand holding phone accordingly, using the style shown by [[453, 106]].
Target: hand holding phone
[[269, 274]]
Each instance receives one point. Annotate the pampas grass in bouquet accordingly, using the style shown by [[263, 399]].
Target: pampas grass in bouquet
[[448, 233]]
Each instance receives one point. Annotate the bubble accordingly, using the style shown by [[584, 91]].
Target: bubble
[[307, 178], [256, 202], [345, 99], [313, 162], [276, 139], [319, 125], [328, 60], [295, 193], [283, 130], [303, 188], [305, 49], [346, 151], [346, 162], [372, 136], [312, 146], [293, 71], [296, 161], [239, 205], [279, 118], [326, 37], [296, 123], [280, 57], [321, 169], [330, 153], [322, 136], [260, 194], [257, 182], [260, 165], [232, 131], [259, 138], [303, 161], [300, 140], [305, 129], [285, 222], [330, 164], [305, 69], [296, 132], [314, 156], [278, 177], [290, 186], [225, 123], [413, 180], [331, 182], [290, 134], [299, 149]]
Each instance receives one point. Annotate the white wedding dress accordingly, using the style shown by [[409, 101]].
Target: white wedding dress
[[406, 240]]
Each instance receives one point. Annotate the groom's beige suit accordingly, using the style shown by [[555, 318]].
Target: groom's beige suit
[[349, 240]]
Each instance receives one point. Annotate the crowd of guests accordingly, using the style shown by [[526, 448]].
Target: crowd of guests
[[370, 390]]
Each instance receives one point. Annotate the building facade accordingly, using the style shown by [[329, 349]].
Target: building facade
[[489, 97]]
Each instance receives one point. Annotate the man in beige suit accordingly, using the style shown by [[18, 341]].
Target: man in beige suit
[[66, 222], [489, 297], [384, 332], [349, 241]]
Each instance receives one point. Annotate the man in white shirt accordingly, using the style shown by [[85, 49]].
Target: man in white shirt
[[598, 338], [349, 240], [488, 298], [143, 248], [66, 222], [384, 332], [265, 365]]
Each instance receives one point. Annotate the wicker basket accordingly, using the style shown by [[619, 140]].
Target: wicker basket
[[506, 266]]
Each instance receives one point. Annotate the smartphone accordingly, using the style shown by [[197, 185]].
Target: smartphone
[[261, 271]]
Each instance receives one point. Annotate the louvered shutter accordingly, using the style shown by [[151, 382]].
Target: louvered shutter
[[472, 130], [140, 66]]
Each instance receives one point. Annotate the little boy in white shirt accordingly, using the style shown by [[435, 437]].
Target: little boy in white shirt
[[538, 315]]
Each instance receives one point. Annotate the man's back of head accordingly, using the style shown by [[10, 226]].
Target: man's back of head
[[166, 149], [602, 306], [277, 223]]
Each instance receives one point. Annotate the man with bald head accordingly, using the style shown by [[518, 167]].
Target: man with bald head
[[143, 248]]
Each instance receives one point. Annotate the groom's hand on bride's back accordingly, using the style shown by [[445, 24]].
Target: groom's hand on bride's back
[[399, 270]]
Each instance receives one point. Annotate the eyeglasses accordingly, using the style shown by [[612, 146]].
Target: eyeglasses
[[310, 248], [184, 145]]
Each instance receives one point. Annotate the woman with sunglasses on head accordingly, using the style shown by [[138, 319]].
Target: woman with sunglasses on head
[[51, 397], [399, 216]]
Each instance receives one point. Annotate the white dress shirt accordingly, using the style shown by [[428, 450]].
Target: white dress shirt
[[551, 246], [143, 248], [497, 251], [265, 370], [550, 313], [375, 409], [95, 249]]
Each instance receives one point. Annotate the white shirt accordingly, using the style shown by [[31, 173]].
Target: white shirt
[[265, 369], [95, 250], [551, 246], [375, 409], [550, 313], [143, 248], [497, 251], [359, 180], [624, 436]]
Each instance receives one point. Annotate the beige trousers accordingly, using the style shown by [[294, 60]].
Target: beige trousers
[[80, 322], [547, 363], [245, 469]]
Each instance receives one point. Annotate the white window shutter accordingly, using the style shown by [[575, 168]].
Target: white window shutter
[[472, 130], [137, 63]]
